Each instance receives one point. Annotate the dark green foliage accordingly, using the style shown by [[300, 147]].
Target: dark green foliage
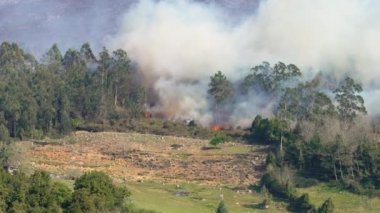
[[302, 204], [47, 96], [217, 139], [305, 102], [302, 182], [221, 208], [4, 134], [327, 207], [321, 141], [61, 193], [276, 188], [271, 159], [350, 103], [265, 78], [267, 198], [33, 194], [38, 196], [268, 130], [220, 88], [95, 191]]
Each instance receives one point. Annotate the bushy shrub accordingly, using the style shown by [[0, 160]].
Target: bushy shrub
[[327, 207], [36, 134], [268, 130], [216, 140], [302, 204], [4, 134], [276, 188], [221, 208], [302, 182], [95, 190]]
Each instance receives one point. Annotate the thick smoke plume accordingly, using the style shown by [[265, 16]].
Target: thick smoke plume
[[179, 44]]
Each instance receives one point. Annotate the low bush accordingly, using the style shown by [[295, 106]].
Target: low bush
[[302, 204], [302, 182], [327, 207], [276, 188]]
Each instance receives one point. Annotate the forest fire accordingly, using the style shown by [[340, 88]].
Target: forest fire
[[147, 114], [216, 127]]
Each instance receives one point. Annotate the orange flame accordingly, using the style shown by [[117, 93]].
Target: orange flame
[[147, 114], [216, 127]]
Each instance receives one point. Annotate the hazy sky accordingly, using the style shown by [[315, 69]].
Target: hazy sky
[[37, 24]]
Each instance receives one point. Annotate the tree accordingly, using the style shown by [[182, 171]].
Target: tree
[[221, 208], [53, 60], [44, 83], [305, 102], [265, 78], [95, 190], [121, 76], [16, 100], [268, 130], [303, 203], [267, 198], [350, 103], [62, 117], [4, 134], [87, 54], [220, 88], [327, 207], [39, 195]]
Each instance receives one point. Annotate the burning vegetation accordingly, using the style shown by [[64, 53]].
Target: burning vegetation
[[217, 127]]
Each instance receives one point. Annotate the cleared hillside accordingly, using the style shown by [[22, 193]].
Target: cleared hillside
[[140, 157]]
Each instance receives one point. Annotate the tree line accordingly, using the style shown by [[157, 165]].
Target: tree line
[[58, 92], [93, 192], [318, 131]]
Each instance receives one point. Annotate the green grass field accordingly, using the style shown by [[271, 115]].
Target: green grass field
[[202, 199], [344, 201]]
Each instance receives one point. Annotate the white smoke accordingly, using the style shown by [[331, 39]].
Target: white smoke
[[177, 42]]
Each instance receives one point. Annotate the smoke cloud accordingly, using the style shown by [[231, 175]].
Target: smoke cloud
[[179, 44]]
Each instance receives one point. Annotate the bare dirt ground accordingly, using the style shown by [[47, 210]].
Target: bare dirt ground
[[140, 157]]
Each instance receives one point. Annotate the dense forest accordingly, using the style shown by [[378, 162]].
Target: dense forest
[[55, 95]]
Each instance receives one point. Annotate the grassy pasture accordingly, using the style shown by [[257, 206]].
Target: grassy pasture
[[344, 202]]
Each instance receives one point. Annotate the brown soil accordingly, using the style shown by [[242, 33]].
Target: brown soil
[[138, 157]]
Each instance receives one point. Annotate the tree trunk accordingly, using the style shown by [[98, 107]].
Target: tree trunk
[[281, 142], [340, 169], [352, 171], [13, 127], [335, 173], [115, 95], [102, 83]]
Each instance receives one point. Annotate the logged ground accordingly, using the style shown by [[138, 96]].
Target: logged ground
[[144, 157]]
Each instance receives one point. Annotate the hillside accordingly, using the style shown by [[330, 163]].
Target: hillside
[[141, 157], [166, 173]]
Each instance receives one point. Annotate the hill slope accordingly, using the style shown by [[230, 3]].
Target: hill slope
[[139, 157]]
